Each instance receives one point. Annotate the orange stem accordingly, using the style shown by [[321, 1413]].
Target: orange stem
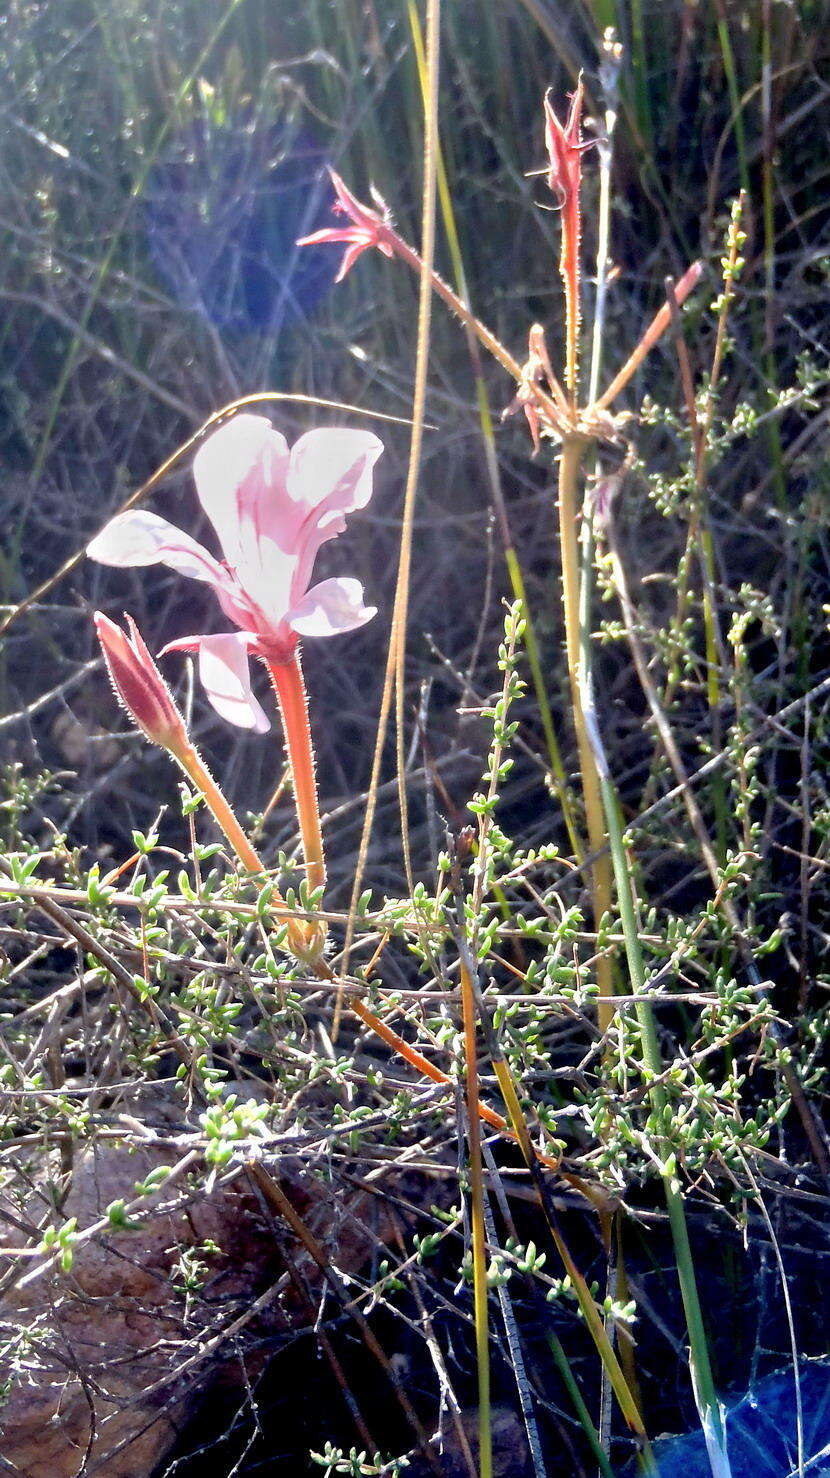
[[301, 935], [196, 770], [289, 687], [656, 328]]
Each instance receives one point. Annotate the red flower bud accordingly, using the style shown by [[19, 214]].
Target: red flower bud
[[139, 686]]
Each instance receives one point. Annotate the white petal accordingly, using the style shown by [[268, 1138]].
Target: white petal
[[141, 538], [237, 471], [331, 471], [331, 607], [226, 677]]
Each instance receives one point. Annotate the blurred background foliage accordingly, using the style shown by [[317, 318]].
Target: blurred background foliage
[[159, 162]]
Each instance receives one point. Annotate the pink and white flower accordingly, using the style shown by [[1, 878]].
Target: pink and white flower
[[272, 508]]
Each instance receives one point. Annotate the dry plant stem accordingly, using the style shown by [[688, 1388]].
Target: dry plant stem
[[468, 1006], [122, 977], [394, 674], [401, 608], [289, 687], [570, 461], [276, 1198], [559, 779]]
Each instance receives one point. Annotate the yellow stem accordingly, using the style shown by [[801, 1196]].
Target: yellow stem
[[485, 1454], [303, 938], [570, 461], [197, 771]]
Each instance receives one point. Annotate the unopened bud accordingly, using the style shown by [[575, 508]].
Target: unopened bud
[[139, 686]]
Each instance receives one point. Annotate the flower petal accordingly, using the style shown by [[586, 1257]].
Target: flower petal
[[226, 678], [330, 473], [141, 538], [236, 470], [331, 607]]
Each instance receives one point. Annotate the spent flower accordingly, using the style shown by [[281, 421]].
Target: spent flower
[[367, 227]]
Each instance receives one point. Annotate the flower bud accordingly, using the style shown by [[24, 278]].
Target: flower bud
[[139, 686]]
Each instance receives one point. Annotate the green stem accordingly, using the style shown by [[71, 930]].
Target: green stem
[[569, 466], [485, 1436], [579, 1406], [559, 777], [704, 1388]]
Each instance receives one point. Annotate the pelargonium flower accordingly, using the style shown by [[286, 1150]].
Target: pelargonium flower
[[272, 508], [367, 228]]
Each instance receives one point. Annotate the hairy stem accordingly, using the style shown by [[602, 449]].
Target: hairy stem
[[301, 935], [289, 687], [569, 467]]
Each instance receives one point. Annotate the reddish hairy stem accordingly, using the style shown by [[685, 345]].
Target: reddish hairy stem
[[569, 268], [287, 678], [658, 326]]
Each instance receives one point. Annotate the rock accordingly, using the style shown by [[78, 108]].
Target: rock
[[106, 1362]]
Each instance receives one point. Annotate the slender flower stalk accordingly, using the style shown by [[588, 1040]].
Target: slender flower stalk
[[570, 463], [592, 421], [143, 693], [198, 773], [659, 323]]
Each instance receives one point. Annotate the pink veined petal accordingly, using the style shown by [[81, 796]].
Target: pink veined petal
[[331, 607], [236, 470], [183, 644], [138, 537], [330, 473], [240, 478], [226, 677]]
